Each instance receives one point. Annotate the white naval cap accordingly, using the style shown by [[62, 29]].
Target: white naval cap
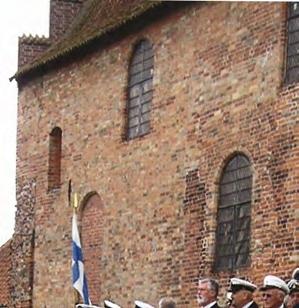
[[237, 284], [271, 282], [293, 285], [86, 306], [108, 304], [140, 304], [295, 274]]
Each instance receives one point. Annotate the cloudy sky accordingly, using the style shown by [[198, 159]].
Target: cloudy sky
[[17, 17]]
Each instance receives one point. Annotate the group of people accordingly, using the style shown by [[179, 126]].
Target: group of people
[[276, 293]]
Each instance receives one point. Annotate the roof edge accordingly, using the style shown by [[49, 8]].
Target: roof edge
[[40, 64]]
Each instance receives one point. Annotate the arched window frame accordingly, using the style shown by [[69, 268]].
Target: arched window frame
[[140, 90], [292, 53], [54, 170], [232, 249]]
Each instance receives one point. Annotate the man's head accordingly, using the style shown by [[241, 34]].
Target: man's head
[[207, 291], [167, 302], [242, 292], [275, 290], [294, 293]]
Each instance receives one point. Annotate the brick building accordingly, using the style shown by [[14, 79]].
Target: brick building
[[5, 268], [177, 123]]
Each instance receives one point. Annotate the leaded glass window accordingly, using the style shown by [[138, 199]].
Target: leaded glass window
[[140, 90], [234, 215], [292, 62]]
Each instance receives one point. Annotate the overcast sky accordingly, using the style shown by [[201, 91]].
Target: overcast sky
[[17, 17]]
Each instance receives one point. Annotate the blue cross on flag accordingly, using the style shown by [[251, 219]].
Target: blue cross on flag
[[79, 279]]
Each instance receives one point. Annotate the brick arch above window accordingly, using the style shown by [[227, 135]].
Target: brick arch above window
[[140, 89], [54, 170], [234, 215]]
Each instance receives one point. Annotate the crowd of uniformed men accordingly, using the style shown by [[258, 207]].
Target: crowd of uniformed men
[[275, 293]]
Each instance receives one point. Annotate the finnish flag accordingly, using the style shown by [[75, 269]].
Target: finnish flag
[[79, 279]]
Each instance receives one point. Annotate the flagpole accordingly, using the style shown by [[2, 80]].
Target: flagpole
[[73, 202], [69, 193]]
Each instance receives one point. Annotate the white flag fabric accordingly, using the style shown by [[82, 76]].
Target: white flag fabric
[[79, 279]]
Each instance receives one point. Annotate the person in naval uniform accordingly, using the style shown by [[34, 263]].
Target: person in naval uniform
[[242, 293], [167, 302], [274, 292], [293, 284]]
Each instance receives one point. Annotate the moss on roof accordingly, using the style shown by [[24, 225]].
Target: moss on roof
[[97, 18]]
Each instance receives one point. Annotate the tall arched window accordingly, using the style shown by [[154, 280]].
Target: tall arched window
[[54, 158], [234, 215], [292, 60], [140, 90]]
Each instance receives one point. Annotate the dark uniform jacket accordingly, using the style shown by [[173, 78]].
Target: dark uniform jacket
[[215, 306], [253, 305]]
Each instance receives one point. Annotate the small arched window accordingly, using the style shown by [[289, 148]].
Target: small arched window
[[234, 215], [54, 171], [140, 90]]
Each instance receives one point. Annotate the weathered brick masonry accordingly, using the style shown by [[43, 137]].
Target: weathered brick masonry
[[5, 269], [150, 204]]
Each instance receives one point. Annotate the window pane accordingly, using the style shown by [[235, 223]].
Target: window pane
[[293, 37], [293, 61], [293, 9], [133, 132], [135, 91], [134, 121], [294, 25], [145, 107], [292, 74], [140, 89], [145, 117], [293, 46], [144, 128], [226, 214], [234, 210], [134, 112], [241, 259], [293, 49]]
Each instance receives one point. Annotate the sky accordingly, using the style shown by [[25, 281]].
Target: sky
[[17, 17]]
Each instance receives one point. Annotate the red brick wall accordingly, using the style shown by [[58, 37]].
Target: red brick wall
[[5, 266], [218, 90], [92, 225]]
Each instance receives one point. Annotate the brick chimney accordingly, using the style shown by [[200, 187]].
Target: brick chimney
[[62, 14], [30, 47]]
